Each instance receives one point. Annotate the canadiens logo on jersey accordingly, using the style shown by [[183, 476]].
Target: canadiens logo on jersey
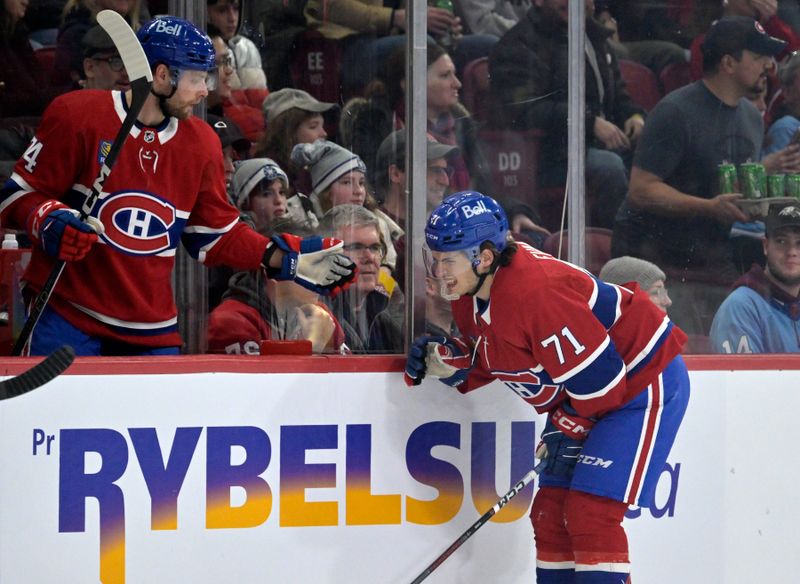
[[137, 223], [536, 389], [102, 151]]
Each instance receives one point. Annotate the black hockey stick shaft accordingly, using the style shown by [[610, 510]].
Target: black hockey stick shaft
[[518, 486], [44, 371], [136, 64]]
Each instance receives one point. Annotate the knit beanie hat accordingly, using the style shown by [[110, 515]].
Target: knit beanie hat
[[249, 173], [629, 269], [326, 162]]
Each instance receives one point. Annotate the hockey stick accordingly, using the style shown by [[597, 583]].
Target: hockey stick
[[521, 484], [139, 72], [44, 371]]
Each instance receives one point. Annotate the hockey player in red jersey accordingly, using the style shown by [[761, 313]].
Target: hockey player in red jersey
[[602, 360], [168, 186]]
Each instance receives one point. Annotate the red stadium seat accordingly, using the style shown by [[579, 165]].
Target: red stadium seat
[[642, 84], [475, 90], [675, 76], [47, 59], [598, 247]]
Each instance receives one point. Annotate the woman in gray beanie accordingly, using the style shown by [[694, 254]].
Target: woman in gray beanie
[[338, 177], [649, 276]]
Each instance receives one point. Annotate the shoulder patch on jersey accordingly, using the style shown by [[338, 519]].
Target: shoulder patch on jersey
[[102, 151]]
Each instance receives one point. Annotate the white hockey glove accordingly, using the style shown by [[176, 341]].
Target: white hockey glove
[[315, 263]]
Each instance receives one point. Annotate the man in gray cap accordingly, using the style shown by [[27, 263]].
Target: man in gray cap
[[675, 214], [389, 175], [649, 276], [102, 66], [761, 314]]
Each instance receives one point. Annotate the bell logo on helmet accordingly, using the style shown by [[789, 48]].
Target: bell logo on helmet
[[173, 29], [472, 211]]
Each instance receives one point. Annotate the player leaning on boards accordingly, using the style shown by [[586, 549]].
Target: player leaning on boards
[[603, 360], [167, 186]]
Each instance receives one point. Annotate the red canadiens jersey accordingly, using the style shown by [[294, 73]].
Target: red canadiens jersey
[[166, 186], [236, 328], [552, 331]]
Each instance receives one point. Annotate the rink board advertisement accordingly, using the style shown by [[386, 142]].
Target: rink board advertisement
[[352, 477]]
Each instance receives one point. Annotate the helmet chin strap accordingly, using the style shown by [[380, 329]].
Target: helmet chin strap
[[162, 99], [481, 280]]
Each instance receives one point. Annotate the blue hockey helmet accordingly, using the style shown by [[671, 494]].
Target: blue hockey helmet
[[177, 43], [463, 221]]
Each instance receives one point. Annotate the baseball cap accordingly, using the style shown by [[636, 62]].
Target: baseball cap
[[285, 99], [393, 151], [732, 34], [96, 41], [228, 132], [782, 215]]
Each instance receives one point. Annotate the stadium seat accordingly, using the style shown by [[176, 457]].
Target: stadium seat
[[475, 91], [598, 247], [47, 59], [675, 76], [642, 84]]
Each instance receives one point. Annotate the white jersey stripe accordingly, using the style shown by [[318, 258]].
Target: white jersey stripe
[[568, 565], [612, 567], [110, 320], [585, 363], [649, 347], [603, 390]]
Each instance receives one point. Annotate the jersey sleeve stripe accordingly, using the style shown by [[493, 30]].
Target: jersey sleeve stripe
[[15, 188], [607, 305], [204, 230], [620, 375], [583, 364]]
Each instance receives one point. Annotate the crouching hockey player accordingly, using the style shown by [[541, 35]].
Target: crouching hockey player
[[602, 360]]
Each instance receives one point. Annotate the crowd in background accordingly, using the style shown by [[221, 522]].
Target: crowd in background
[[310, 113]]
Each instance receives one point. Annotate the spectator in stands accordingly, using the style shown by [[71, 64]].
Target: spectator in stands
[[293, 117], [652, 53], [674, 215], [102, 66], [260, 189], [256, 308], [529, 73], [449, 122], [235, 146], [224, 15], [761, 314], [650, 277], [79, 17], [372, 317], [493, 17], [787, 120], [241, 106], [371, 30], [24, 87], [763, 11]]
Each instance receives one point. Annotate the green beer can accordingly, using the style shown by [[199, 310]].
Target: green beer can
[[776, 185], [793, 186], [753, 180], [727, 179]]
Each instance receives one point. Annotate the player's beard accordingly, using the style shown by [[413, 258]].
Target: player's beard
[[169, 109]]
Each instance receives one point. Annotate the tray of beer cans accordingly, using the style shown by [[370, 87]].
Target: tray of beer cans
[[759, 208]]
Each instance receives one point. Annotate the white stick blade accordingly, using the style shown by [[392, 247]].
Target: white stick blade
[[127, 44]]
